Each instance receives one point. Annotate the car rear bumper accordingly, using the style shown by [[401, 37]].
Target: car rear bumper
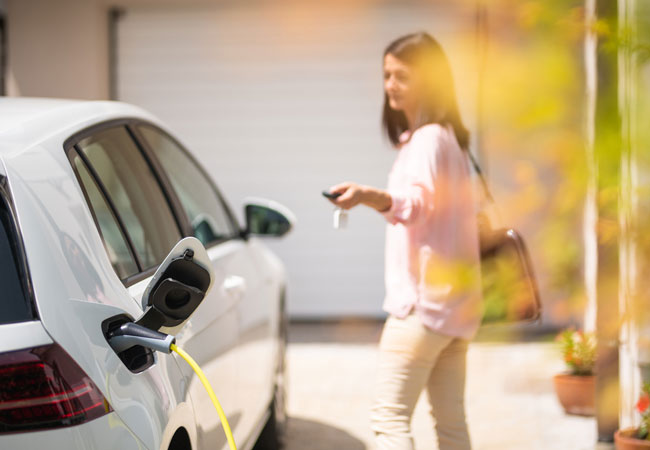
[[106, 432]]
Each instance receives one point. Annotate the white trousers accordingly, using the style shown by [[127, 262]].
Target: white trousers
[[411, 358]]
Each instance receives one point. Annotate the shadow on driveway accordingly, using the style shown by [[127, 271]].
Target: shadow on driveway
[[344, 331], [304, 434]]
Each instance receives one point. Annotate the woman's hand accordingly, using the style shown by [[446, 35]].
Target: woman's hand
[[353, 194]]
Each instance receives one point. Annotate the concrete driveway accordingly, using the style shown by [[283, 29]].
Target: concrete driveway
[[510, 398]]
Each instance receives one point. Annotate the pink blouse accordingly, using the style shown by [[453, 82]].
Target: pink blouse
[[432, 251]]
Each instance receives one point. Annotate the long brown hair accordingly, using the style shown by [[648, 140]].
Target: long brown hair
[[439, 104]]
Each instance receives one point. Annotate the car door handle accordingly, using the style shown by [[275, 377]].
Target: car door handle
[[234, 286]]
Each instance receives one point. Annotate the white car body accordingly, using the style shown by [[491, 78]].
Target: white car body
[[235, 334]]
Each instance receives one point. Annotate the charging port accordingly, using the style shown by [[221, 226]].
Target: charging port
[[137, 358]]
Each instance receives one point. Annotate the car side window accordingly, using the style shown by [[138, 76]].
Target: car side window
[[114, 240], [14, 302], [208, 216], [134, 193]]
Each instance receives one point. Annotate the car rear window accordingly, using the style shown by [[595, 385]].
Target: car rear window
[[14, 303]]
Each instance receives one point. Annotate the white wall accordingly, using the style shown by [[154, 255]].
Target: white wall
[[57, 48]]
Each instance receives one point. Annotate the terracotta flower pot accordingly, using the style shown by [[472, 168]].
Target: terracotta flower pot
[[576, 393], [626, 440]]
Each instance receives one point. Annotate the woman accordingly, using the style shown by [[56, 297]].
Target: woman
[[432, 253]]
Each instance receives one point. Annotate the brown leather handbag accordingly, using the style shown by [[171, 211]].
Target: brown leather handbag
[[510, 293]]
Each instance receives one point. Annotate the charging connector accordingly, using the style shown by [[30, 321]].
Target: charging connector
[[131, 334]]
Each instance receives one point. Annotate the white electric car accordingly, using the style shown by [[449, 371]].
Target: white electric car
[[93, 196]]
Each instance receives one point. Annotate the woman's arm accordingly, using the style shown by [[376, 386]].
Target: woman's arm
[[411, 201], [405, 207], [353, 194]]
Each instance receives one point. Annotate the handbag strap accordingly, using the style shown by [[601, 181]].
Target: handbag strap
[[479, 172]]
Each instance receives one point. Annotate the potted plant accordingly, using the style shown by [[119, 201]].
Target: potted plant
[[576, 389], [637, 438]]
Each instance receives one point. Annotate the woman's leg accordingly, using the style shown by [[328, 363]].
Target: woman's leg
[[407, 353], [446, 389]]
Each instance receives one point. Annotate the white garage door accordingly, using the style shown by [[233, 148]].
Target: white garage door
[[282, 102]]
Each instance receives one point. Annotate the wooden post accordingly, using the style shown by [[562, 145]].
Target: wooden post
[[606, 148]]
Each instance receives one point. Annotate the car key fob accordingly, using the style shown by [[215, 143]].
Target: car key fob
[[340, 218], [331, 196]]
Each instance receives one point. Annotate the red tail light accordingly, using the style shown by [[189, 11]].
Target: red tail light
[[44, 388]]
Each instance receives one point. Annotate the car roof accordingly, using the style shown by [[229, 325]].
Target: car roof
[[25, 121]]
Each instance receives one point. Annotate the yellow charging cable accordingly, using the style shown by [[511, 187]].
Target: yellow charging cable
[[213, 397]]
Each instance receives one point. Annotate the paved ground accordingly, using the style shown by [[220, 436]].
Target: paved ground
[[511, 404]]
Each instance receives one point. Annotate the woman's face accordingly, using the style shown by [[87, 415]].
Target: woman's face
[[400, 84]]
